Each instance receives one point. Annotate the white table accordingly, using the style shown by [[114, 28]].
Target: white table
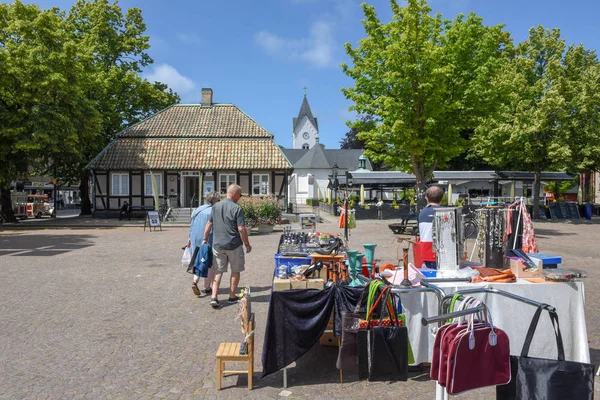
[[511, 316]]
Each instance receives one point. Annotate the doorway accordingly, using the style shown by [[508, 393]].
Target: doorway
[[191, 185]]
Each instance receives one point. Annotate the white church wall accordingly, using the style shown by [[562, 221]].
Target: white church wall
[[305, 127]]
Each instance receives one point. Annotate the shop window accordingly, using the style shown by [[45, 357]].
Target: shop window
[[260, 184], [120, 185], [148, 184], [224, 181]]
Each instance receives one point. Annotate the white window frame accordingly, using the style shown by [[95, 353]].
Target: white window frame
[[263, 185], [122, 187], [148, 183], [230, 179]]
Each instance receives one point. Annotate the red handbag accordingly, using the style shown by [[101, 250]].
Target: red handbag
[[478, 357], [448, 336]]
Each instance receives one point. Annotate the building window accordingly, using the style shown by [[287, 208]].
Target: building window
[[224, 181], [305, 146], [260, 184], [148, 184], [120, 185]]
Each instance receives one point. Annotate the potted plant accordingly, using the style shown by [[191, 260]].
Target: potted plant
[[260, 212]]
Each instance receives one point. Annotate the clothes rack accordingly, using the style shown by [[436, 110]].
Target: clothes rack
[[440, 393], [499, 292]]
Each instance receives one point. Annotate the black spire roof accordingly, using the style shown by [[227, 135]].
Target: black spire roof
[[305, 111]]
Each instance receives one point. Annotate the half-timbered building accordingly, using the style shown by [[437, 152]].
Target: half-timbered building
[[190, 149]]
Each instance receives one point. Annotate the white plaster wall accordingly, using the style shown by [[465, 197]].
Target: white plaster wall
[[301, 190], [304, 126]]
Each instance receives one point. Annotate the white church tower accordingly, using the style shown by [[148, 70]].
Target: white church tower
[[305, 132]]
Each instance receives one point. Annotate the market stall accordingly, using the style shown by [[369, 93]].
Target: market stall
[[402, 301]]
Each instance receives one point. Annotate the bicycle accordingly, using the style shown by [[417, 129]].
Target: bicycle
[[471, 224]]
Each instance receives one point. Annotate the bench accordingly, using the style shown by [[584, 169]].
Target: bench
[[141, 210], [409, 221]]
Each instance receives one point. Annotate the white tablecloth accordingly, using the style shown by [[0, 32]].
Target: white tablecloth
[[511, 316]]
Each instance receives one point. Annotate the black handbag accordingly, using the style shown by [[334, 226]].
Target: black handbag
[[348, 354], [190, 268], [538, 378], [386, 347]]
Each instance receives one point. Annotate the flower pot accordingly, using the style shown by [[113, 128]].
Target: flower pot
[[265, 228]]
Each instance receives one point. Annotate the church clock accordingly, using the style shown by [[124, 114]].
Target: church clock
[[305, 135]]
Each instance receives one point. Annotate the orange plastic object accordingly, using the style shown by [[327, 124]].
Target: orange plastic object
[[387, 266]]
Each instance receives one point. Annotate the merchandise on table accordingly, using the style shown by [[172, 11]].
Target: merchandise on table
[[448, 237]]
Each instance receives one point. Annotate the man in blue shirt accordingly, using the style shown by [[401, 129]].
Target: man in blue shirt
[[200, 217], [434, 195]]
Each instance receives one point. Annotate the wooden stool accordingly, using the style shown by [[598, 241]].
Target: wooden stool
[[231, 352]]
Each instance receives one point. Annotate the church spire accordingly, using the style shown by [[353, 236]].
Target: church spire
[[305, 111]]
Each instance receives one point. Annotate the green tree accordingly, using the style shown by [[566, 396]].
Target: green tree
[[120, 94], [581, 89], [530, 128], [424, 79], [350, 139], [45, 115]]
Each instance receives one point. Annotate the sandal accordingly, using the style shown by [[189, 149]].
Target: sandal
[[195, 289]]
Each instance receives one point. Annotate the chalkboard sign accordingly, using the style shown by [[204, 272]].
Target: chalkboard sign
[[574, 211], [542, 212], [564, 210], [153, 220], [553, 210]]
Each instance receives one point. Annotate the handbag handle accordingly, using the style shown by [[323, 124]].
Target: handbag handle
[[370, 314], [360, 299], [533, 326]]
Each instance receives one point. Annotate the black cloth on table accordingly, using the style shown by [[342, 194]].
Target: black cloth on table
[[298, 318]]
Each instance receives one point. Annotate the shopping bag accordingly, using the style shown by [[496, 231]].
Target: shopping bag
[[389, 353], [538, 378], [192, 263], [362, 337], [187, 256], [388, 346], [348, 353], [383, 350]]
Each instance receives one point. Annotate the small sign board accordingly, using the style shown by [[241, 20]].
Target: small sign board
[[308, 221], [153, 220]]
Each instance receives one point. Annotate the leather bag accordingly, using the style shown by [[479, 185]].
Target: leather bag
[[478, 357], [348, 353], [386, 346], [544, 379]]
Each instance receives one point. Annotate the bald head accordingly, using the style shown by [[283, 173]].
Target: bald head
[[434, 195], [234, 192]]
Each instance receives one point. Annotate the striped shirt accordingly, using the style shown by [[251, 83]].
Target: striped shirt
[[426, 223]]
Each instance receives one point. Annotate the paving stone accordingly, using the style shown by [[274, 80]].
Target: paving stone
[[113, 316]]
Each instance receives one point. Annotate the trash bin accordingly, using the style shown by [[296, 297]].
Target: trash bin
[[588, 211]]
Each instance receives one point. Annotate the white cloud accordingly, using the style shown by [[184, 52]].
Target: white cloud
[[317, 49], [189, 38], [167, 74]]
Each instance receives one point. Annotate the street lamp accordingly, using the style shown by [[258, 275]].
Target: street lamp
[[348, 184], [334, 172]]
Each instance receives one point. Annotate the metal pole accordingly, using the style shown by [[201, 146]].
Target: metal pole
[[444, 317]]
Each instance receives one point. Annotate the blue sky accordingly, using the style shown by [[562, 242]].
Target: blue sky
[[259, 54]]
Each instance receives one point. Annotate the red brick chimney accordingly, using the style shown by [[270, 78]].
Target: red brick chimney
[[207, 96]]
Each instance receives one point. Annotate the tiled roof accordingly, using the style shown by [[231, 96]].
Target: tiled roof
[[344, 158], [194, 121], [193, 154]]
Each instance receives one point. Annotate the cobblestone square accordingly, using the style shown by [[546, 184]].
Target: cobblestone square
[[110, 314]]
